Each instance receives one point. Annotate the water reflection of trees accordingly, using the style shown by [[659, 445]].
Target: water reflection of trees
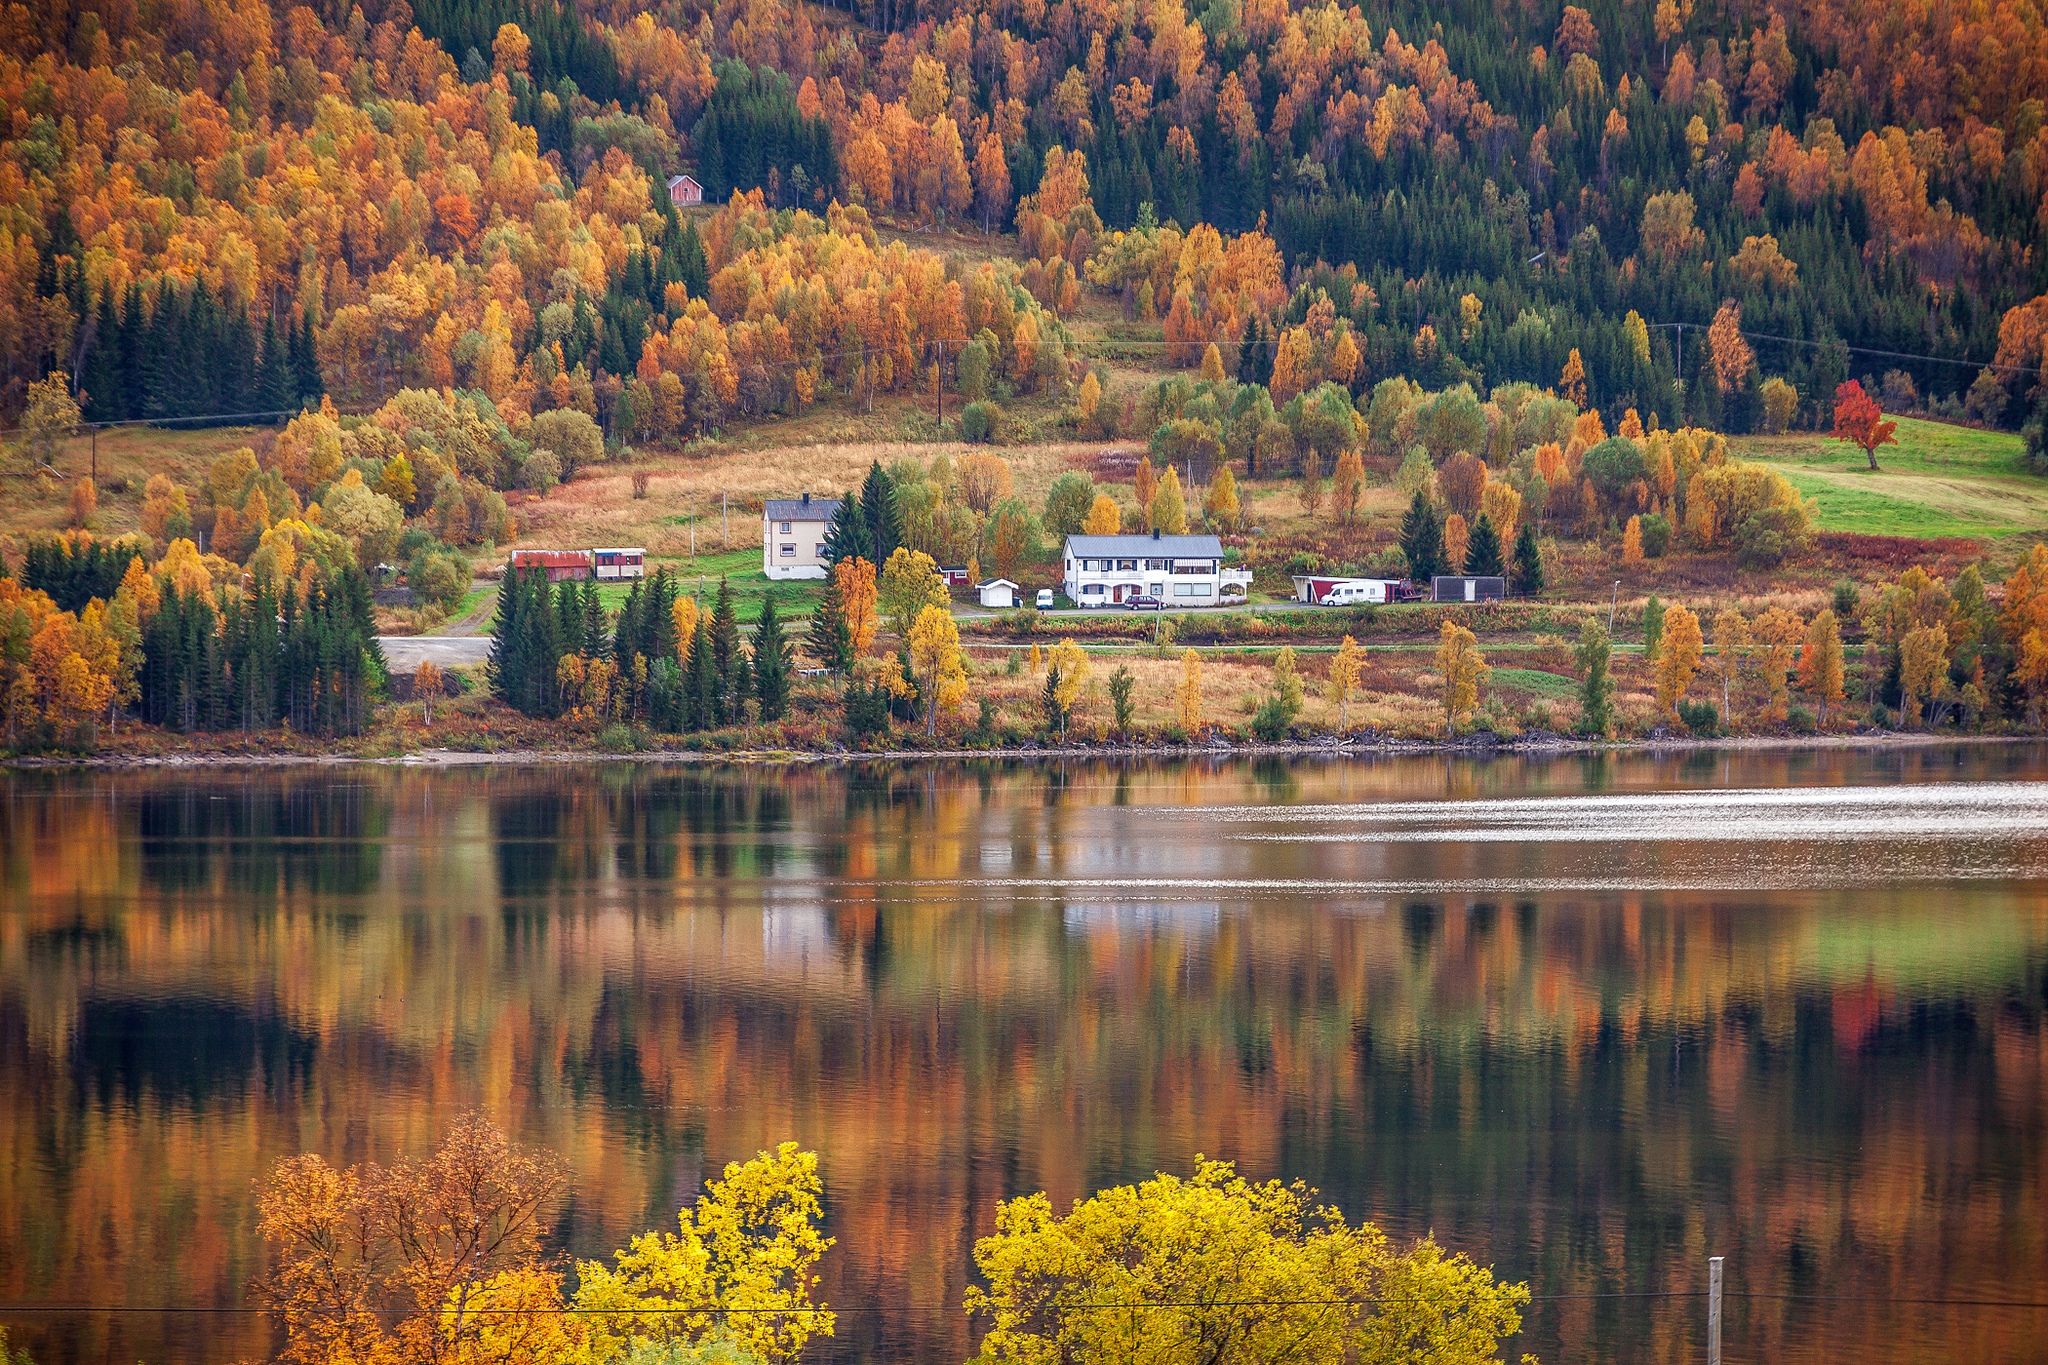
[[654, 969]]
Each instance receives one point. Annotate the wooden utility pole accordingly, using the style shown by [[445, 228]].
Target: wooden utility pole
[[939, 384], [1714, 1310], [725, 520]]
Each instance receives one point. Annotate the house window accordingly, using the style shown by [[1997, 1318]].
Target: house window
[[821, 549], [1091, 590], [784, 528], [789, 551], [1127, 563]]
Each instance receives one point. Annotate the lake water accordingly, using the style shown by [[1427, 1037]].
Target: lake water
[[1592, 1019]]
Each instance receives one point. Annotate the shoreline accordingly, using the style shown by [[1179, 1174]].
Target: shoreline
[[1301, 750]]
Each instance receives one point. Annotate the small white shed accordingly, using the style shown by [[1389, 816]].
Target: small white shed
[[997, 592]]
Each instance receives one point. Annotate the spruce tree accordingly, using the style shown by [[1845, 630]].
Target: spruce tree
[[1482, 552], [878, 511], [701, 686], [771, 662], [306, 362], [1422, 540], [1528, 568], [102, 376], [728, 658], [847, 536], [830, 642]]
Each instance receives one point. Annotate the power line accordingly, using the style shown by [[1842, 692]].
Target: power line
[[1086, 1306], [1854, 350]]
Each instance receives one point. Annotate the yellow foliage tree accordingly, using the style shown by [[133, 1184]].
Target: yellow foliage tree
[[686, 613], [426, 685], [1778, 633], [1167, 511], [1347, 484], [1731, 638], [1187, 695], [857, 598], [1820, 662], [1347, 669], [1923, 671], [1632, 542], [1104, 517], [1463, 669], [936, 662], [1678, 658], [1220, 505], [1264, 1267], [752, 1241], [1457, 540]]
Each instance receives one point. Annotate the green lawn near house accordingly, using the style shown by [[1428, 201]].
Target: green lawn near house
[[741, 569], [1939, 480]]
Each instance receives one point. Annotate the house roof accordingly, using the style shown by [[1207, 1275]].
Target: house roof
[[996, 583], [1179, 547], [797, 509], [676, 180]]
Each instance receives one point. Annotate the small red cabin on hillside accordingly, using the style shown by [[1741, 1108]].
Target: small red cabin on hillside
[[560, 564], [684, 189]]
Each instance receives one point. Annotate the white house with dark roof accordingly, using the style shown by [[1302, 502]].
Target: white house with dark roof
[[793, 536], [1181, 571]]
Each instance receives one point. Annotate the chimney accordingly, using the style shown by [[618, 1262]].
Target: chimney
[[807, 497], [1155, 533]]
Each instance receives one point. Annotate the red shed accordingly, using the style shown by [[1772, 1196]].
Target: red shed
[[560, 564]]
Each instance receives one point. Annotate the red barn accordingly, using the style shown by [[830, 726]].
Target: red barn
[[684, 189], [560, 564]]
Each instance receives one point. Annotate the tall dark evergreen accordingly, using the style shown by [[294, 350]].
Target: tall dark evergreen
[[1422, 540], [247, 661], [847, 536], [830, 641], [1482, 551], [1527, 575], [728, 659], [751, 135], [883, 525], [771, 662]]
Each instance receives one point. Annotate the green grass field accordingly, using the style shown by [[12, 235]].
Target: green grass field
[[742, 571], [1939, 480]]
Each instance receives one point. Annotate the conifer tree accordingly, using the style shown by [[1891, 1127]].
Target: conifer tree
[[728, 659], [771, 662], [1482, 552], [847, 536], [1422, 539], [1527, 579], [884, 528], [830, 641]]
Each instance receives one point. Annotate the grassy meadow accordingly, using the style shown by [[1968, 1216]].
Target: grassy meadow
[[1939, 480]]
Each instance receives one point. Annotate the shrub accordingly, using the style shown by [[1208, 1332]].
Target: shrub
[[978, 422], [1270, 721], [1700, 717], [1845, 599], [1655, 528], [1766, 536]]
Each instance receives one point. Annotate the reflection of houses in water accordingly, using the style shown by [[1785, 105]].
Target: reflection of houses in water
[[1197, 917], [796, 931]]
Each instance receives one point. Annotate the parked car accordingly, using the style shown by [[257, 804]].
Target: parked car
[[1144, 602], [1045, 599]]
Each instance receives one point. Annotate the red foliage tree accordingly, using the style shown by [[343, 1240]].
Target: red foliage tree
[[1859, 421]]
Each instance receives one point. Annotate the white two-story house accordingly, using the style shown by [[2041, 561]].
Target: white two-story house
[[1181, 571], [793, 535]]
